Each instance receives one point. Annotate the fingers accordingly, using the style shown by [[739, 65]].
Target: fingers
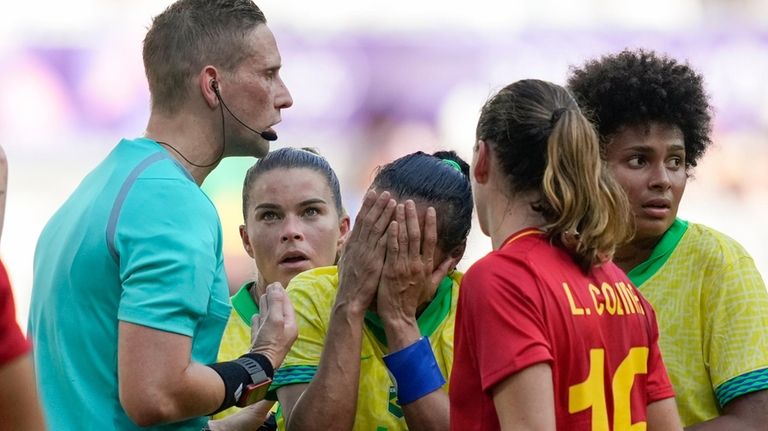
[[393, 243], [369, 201], [445, 267], [430, 238], [374, 216], [402, 233], [289, 318], [381, 223], [275, 301], [412, 225]]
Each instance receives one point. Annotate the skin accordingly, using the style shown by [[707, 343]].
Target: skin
[[292, 216], [254, 91], [3, 186], [289, 211], [159, 382], [388, 260], [649, 163], [19, 406], [525, 400], [256, 94]]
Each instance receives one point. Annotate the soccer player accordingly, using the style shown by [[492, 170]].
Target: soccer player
[[294, 222], [387, 309], [550, 334], [654, 120]]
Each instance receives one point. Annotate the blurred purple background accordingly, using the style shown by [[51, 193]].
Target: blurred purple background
[[371, 82]]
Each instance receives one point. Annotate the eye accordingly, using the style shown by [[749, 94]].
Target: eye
[[311, 211], [675, 163], [636, 161], [268, 216]]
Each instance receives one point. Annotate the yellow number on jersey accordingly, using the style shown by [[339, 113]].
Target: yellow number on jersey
[[591, 392]]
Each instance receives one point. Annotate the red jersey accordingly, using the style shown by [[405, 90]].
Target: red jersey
[[12, 342], [528, 303]]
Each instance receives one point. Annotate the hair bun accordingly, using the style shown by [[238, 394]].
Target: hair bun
[[452, 159]]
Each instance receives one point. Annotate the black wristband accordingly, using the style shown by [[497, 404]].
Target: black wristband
[[235, 378], [263, 361]]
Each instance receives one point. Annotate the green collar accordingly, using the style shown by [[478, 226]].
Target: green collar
[[641, 273], [243, 303], [429, 320]]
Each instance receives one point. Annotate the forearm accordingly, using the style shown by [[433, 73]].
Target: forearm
[[19, 407], [721, 423], [3, 186], [158, 380], [248, 418], [197, 391], [330, 400], [430, 412], [746, 412]]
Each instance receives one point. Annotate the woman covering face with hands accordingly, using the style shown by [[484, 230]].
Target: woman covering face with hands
[[293, 221], [386, 309]]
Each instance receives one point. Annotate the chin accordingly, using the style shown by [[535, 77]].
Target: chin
[[652, 228]]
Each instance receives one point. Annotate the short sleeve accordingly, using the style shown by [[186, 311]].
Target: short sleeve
[[507, 329], [736, 330], [167, 242], [312, 296], [12, 341], [659, 385]]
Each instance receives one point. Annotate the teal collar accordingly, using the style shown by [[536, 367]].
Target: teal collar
[[428, 321], [661, 253], [243, 303]]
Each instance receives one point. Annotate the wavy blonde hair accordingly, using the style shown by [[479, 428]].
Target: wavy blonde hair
[[544, 143]]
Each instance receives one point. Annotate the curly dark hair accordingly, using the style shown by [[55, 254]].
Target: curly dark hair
[[636, 87]]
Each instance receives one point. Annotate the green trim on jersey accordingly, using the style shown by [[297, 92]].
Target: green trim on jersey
[[741, 385], [429, 320], [294, 374], [243, 303], [663, 250]]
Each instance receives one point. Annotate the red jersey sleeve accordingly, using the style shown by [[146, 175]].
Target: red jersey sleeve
[[12, 341], [504, 317], [659, 386]]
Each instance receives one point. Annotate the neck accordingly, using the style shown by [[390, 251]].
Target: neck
[[509, 215], [258, 288], [195, 139], [636, 252]]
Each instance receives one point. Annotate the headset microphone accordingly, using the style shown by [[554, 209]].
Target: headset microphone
[[267, 135]]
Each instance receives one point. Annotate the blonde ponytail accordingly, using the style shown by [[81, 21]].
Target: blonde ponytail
[[589, 211]]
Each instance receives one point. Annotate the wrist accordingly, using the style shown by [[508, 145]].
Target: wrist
[[415, 371], [349, 309], [401, 332]]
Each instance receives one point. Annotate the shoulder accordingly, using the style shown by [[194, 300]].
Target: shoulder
[[512, 263], [713, 244], [315, 288]]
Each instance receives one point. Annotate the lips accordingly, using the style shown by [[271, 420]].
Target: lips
[[657, 208], [293, 258]]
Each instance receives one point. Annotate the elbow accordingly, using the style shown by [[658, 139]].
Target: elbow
[[148, 409]]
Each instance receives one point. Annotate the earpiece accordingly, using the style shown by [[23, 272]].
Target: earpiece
[[266, 134]]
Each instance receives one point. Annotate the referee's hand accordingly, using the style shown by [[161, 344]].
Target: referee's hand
[[274, 330]]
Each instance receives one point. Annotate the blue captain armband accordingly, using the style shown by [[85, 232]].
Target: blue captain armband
[[415, 371]]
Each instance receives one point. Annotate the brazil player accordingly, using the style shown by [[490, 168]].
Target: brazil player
[[376, 333], [550, 334], [293, 221], [655, 120]]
